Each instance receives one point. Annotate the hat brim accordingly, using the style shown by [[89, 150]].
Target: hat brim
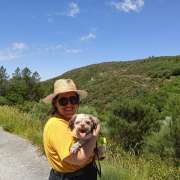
[[48, 99]]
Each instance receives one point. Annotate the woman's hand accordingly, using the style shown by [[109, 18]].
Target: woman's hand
[[97, 130], [97, 125]]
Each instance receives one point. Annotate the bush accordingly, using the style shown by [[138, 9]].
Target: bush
[[176, 72], [3, 101], [130, 122], [173, 109], [161, 142], [38, 110], [166, 142], [87, 110], [26, 106], [41, 111], [161, 74], [15, 98], [158, 99]]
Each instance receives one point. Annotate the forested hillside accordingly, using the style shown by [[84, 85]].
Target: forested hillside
[[108, 81]]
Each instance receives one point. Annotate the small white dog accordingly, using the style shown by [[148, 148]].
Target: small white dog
[[82, 126]]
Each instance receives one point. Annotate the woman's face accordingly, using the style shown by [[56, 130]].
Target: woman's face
[[67, 104]]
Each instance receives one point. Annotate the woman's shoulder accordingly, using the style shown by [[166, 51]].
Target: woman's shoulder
[[57, 127], [55, 122]]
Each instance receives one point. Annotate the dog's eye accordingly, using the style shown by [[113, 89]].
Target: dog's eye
[[88, 122], [77, 122]]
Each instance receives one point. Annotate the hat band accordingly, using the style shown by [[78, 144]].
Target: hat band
[[64, 90]]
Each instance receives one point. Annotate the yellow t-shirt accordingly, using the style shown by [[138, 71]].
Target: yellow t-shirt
[[57, 140]]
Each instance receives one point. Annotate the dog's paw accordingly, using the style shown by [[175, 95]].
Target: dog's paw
[[75, 147], [73, 151]]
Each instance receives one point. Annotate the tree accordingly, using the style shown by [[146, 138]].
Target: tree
[[17, 73], [16, 91], [26, 73], [34, 86], [3, 81], [24, 86]]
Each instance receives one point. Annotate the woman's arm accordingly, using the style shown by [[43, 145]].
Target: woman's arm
[[85, 152]]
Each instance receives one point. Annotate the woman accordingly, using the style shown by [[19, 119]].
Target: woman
[[58, 139]]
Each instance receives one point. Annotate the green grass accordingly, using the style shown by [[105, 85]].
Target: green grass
[[110, 171], [118, 164], [129, 167], [12, 120]]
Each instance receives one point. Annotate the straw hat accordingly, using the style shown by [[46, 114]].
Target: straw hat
[[63, 86]]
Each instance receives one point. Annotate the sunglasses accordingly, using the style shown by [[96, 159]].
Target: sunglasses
[[63, 101]]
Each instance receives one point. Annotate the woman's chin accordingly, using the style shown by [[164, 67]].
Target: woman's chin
[[68, 115]]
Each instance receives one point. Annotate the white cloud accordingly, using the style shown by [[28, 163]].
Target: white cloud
[[19, 46], [18, 50], [14, 51], [74, 9], [128, 5], [53, 47], [73, 51], [8, 55], [88, 37], [58, 48]]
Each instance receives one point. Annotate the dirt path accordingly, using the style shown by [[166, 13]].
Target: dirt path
[[19, 160]]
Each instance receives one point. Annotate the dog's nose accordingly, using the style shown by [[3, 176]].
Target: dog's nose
[[82, 125]]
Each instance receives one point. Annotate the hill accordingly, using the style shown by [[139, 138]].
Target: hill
[[105, 82]]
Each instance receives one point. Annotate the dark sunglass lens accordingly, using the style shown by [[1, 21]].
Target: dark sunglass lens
[[74, 100], [63, 101]]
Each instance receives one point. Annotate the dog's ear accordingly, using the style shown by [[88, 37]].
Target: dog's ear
[[71, 121], [95, 121]]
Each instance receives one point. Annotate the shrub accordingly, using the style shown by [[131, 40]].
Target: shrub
[[130, 122], [173, 109], [176, 72], [38, 110], [3, 101], [158, 99], [161, 74], [87, 110], [161, 142], [41, 111]]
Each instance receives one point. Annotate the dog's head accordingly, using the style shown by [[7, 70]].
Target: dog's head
[[82, 125]]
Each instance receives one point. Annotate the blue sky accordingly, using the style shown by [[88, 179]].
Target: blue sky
[[54, 36]]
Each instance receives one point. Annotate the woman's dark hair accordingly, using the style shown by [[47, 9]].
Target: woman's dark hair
[[54, 108]]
